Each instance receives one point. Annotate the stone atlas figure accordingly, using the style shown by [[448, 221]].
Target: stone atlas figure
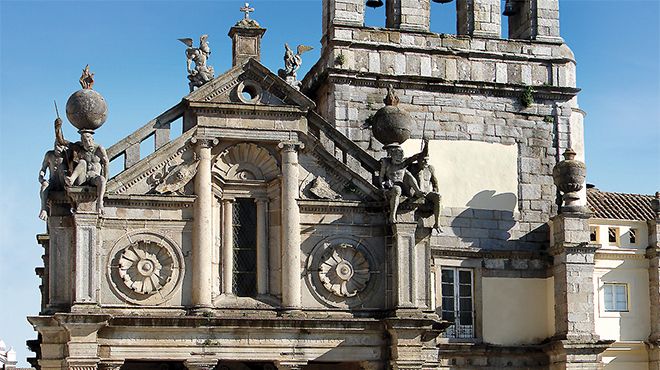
[[84, 162], [202, 73], [54, 162], [396, 178], [428, 184]]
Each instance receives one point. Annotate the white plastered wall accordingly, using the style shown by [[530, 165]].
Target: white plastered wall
[[473, 174], [517, 311]]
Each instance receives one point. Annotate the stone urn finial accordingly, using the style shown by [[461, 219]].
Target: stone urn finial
[[86, 109], [391, 124], [569, 176]]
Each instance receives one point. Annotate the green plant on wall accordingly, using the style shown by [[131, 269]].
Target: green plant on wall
[[340, 60], [527, 97]]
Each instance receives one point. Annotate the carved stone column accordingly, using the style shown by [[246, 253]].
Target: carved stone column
[[262, 246], [290, 226], [202, 245], [227, 246], [85, 220]]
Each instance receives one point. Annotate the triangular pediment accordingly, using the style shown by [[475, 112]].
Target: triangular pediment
[[250, 83]]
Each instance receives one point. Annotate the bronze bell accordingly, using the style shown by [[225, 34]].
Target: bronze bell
[[510, 8], [374, 3], [442, 1]]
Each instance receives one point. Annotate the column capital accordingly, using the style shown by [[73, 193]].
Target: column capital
[[204, 142], [291, 146]]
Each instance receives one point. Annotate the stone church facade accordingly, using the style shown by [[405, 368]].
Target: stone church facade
[[259, 236]]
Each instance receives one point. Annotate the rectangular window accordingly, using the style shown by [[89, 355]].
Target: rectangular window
[[632, 233], [613, 235], [615, 297], [593, 233], [457, 302], [244, 225]]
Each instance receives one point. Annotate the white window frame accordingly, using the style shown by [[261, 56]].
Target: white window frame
[[613, 295], [458, 331]]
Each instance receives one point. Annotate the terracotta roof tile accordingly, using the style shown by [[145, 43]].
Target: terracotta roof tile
[[620, 206]]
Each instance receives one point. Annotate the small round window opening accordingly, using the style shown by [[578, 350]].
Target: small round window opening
[[249, 92]]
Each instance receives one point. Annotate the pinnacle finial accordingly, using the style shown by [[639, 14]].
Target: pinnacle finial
[[247, 10]]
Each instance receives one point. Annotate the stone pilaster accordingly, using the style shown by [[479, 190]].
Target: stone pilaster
[[343, 12], [52, 342], [576, 344], [82, 347], [410, 265], [202, 245], [291, 272], [85, 222], [262, 246], [480, 18], [410, 15], [227, 246], [535, 20]]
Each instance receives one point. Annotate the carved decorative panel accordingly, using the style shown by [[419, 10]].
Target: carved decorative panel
[[342, 272], [145, 268]]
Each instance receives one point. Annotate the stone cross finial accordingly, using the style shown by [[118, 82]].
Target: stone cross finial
[[247, 10]]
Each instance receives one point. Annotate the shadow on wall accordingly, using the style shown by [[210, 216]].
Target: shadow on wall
[[487, 221]]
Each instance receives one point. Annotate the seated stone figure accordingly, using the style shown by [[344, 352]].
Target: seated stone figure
[[54, 162], [428, 183], [92, 167], [396, 179]]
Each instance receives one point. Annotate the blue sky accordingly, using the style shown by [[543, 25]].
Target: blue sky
[[140, 69]]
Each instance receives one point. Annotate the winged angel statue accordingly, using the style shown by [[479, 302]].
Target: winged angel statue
[[202, 73], [292, 63]]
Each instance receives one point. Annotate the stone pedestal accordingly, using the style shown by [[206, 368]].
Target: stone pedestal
[[291, 271], [480, 18], [246, 42], [85, 222], [576, 344], [202, 246], [410, 15], [82, 347], [410, 263], [409, 340]]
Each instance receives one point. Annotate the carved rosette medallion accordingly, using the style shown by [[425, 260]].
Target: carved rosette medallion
[[344, 270], [340, 273], [145, 268]]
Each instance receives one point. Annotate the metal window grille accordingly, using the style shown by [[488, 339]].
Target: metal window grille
[[457, 302], [244, 225]]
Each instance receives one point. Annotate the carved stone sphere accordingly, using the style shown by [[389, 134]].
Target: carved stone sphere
[[391, 125], [86, 109]]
